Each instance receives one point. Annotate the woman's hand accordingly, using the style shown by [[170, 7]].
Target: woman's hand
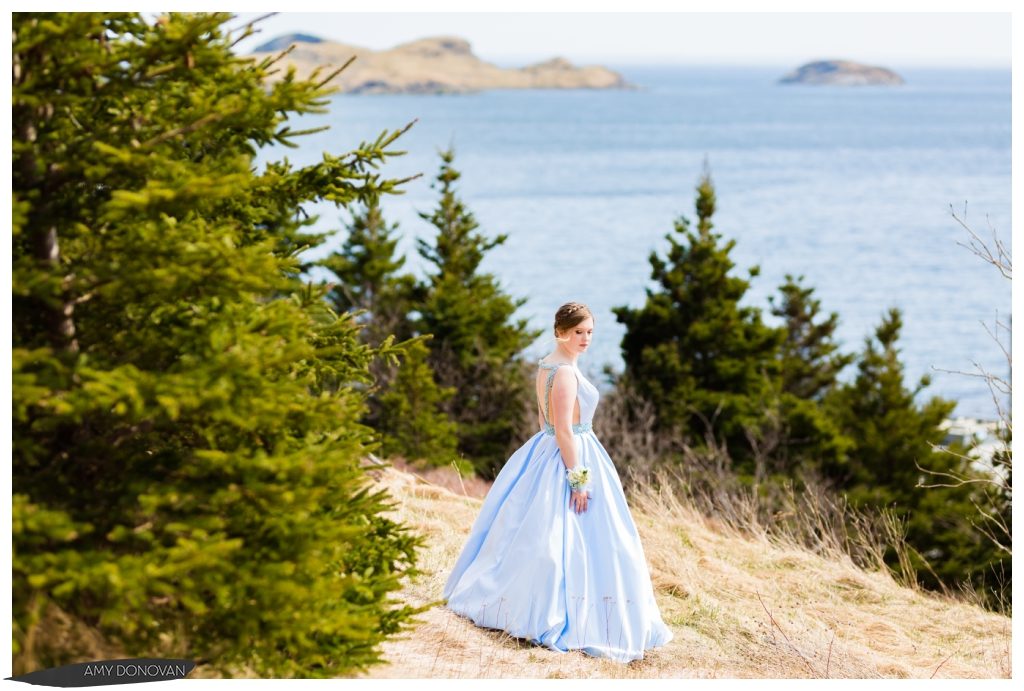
[[578, 501]]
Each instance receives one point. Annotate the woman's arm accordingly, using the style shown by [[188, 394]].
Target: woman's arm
[[563, 399]]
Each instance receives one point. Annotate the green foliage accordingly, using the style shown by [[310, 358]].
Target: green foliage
[[186, 413], [880, 413], [368, 278], [476, 346], [409, 414], [413, 422], [892, 459], [773, 399], [692, 350], [810, 364], [810, 361]]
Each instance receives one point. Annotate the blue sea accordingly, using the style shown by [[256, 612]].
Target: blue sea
[[851, 188]]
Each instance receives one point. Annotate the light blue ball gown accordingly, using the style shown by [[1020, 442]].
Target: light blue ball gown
[[535, 568]]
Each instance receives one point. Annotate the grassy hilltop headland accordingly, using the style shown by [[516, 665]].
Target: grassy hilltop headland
[[740, 605], [440, 64]]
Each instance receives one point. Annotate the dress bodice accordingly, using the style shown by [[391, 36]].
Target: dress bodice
[[586, 394]]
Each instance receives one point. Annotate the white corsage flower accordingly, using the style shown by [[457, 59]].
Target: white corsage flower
[[578, 477]]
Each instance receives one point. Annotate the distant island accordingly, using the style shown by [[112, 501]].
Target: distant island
[[842, 73], [441, 64]]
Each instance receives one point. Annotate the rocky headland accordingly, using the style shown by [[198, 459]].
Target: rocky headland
[[441, 64]]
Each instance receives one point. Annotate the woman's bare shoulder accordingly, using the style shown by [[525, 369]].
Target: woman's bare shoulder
[[564, 375]]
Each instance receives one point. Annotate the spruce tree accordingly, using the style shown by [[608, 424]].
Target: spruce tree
[[892, 449], [692, 350], [475, 344], [811, 362], [810, 365], [413, 421], [406, 404], [186, 441], [368, 276]]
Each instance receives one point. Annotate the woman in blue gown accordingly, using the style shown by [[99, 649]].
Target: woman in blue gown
[[561, 568]]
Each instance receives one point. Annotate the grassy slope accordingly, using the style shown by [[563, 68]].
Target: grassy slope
[[739, 607]]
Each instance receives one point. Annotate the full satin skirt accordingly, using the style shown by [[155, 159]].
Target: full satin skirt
[[536, 569]]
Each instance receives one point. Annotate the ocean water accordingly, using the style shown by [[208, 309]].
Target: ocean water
[[850, 187]]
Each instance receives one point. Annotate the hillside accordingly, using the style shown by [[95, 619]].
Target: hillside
[[740, 607], [440, 64]]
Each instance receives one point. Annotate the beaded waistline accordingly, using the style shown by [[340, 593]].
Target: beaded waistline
[[579, 428]]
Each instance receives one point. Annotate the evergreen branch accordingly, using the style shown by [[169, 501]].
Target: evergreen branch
[[186, 129], [400, 181], [271, 59], [332, 75], [248, 28], [287, 131]]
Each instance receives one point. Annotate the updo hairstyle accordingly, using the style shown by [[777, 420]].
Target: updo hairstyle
[[569, 315]]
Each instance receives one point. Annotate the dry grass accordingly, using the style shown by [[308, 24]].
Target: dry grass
[[741, 605], [744, 599]]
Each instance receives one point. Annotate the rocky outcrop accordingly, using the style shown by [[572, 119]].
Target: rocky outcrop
[[442, 64], [842, 73]]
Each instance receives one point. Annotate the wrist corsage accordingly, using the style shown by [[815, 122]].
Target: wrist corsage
[[578, 477]]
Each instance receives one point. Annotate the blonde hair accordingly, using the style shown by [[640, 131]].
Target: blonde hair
[[569, 315]]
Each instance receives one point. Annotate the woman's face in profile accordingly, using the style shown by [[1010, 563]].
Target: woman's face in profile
[[579, 336]]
